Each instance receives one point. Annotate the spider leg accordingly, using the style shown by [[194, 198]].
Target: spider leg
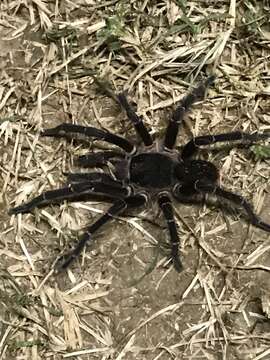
[[136, 120], [234, 198], [118, 207], [64, 129], [193, 145], [185, 104], [167, 209], [95, 176], [72, 193], [97, 159]]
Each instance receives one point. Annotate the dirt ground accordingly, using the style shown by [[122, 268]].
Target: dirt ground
[[122, 299]]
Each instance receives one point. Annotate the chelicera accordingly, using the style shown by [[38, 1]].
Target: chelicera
[[154, 170]]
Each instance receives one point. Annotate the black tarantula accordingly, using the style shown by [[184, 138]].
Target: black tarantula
[[154, 170]]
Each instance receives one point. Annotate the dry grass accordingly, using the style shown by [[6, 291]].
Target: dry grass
[[105, 307]]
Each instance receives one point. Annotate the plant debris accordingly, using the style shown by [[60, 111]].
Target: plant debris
[[53, 53]]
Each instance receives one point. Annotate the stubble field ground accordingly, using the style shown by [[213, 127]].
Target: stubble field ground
[[121, 299]]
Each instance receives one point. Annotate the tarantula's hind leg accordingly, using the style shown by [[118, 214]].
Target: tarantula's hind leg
[[167, 209], [118, 207], [68, 258], [235, 199]]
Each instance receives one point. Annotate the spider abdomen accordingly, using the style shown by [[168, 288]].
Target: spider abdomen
[[152, 170]]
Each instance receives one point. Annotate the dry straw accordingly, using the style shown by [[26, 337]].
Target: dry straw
[[58, 61]]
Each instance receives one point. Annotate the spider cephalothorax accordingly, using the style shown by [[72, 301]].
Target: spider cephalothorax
[[155, 170]]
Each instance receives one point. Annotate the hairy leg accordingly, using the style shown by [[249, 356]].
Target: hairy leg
[[117, 208], [94, 176], [71, 193], [185, 104], [98, 159], [167, 209], [193, 145], [136, 120], [235, 199], [66, 129]]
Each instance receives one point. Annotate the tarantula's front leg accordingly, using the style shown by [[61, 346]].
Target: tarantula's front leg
[[167, 209], [66, 129], [91, 177], [136, 120], [193, 145], [118, 207], [185, 104], [73, 192], [234, 198], [97, 159]]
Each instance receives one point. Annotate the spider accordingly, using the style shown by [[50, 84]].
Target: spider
[[153, 171]]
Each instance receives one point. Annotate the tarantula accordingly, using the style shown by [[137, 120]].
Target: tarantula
[[155, 170]]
